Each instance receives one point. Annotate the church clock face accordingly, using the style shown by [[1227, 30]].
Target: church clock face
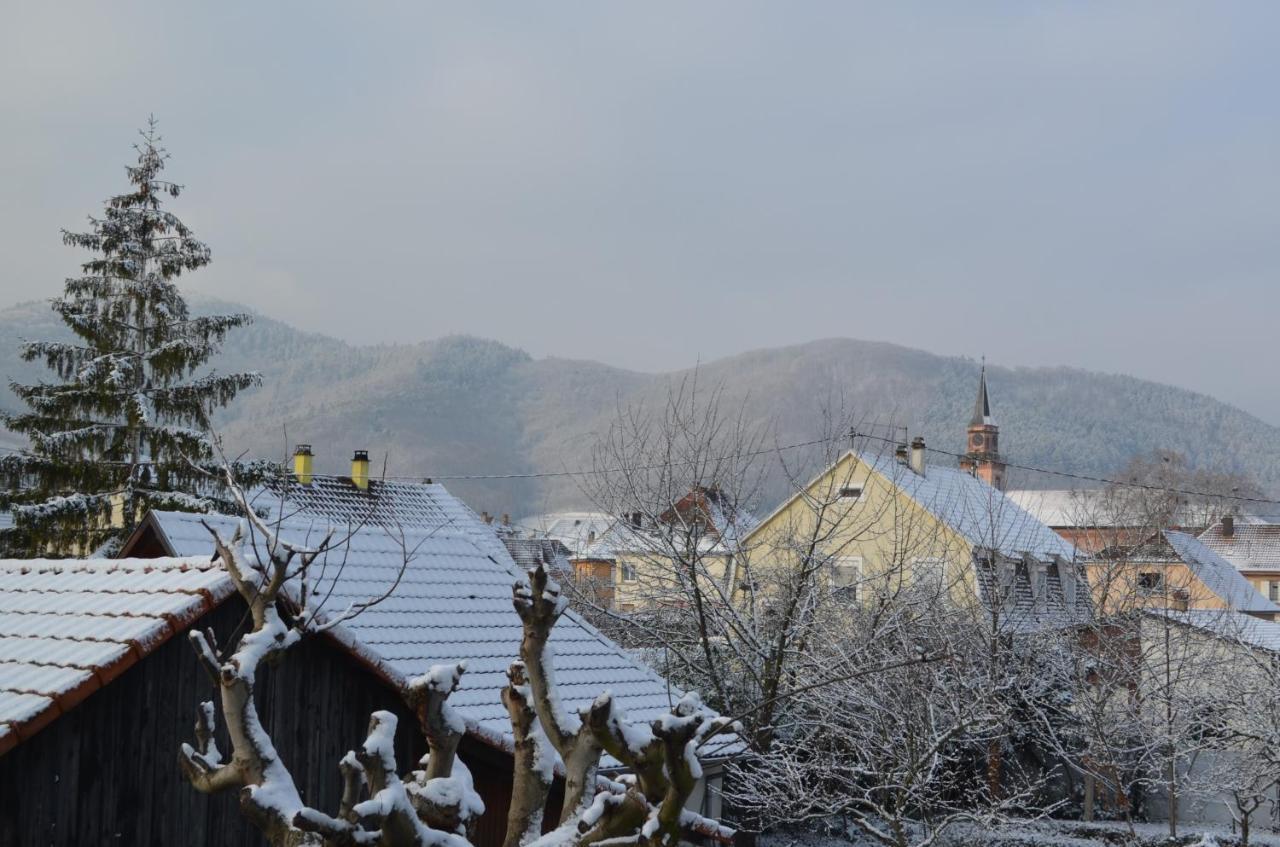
[[978, 439]]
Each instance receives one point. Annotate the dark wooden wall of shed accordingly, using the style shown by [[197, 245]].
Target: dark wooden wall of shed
[[107, 772]]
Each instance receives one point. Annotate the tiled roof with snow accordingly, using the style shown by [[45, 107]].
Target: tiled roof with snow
[[1055, 598], [574, 530], [1234, 626], [1252, 544], [1219, 575], [383, 503], [981, 514], [1089, 507], [70, 626], [528, 553], [452, 603]]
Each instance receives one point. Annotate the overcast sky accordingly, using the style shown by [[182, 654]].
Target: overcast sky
[[645, 184]]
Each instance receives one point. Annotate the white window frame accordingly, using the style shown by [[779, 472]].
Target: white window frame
[[1150, 590], [841, 564], [1273, 591], [626, 572]]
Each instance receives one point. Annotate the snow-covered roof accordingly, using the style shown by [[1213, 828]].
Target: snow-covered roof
[[1219, 575], [1055, 599], [981, 514], [1087, 507], [725, 526], [1234, 626], [622, 538], [1252, 544], [452, 603], [384, 503], [528, 553], [1064, 507], [70, 626], [574, 530]]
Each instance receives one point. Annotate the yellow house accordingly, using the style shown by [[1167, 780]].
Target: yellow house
[[876, 524], [1174, 570], [642, 567], [1252, 546]]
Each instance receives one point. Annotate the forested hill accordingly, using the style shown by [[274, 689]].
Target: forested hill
[[464, 405]]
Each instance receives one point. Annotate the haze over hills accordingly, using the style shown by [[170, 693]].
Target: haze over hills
[[464, 406]]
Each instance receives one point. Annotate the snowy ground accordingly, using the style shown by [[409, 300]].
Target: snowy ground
[[1053, 833]]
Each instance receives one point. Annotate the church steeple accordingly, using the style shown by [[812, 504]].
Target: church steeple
[[982, 452], [982, 409]]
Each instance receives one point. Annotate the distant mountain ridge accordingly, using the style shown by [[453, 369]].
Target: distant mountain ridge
[[464, 406]]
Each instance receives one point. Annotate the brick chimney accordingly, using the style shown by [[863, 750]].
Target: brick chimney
[[1228, 526], [360, 469], [302, 456]]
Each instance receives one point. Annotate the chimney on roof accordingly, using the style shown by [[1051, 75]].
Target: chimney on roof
[[1228, 526], [302, 456], [917, 455], [506, 519], [360, 469], [486, 517], [900, 453]]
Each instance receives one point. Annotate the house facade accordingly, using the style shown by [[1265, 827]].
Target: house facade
[[1176, 571], [1252, 546], [640, 561]]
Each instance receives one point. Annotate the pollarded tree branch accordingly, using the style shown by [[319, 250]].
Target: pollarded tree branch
[[443, 728], [444, 800], [534, 762], [540, 604]]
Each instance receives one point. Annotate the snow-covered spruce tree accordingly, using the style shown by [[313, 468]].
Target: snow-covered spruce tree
[[123, 429]]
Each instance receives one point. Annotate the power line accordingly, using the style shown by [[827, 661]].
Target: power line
[[749, 454], [1087, 478]]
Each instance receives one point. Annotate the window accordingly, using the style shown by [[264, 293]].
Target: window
[[845, 571], [1067, 578], [628, 572], [850, 492], [1151, 582], [1273, 592], [1038, 575]]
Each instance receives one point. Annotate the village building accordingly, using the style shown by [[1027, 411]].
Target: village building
[[630, 566], [96, 693], [1173, 570], [885, 523], [1098, 519], [890, 521], [1252, 546], [575, 530]]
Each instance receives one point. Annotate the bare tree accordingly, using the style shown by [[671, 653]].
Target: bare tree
[[1142, 681], [824, 607]]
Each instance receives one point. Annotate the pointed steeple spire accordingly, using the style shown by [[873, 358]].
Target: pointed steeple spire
[[982, 409]]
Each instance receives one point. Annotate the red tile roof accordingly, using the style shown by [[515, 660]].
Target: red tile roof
[[70, 626]]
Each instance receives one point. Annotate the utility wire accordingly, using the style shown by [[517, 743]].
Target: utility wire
[[1085, 477], [853, 434]]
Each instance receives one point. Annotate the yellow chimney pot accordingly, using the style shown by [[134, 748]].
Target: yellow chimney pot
[[360, 469], [302, 464]]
